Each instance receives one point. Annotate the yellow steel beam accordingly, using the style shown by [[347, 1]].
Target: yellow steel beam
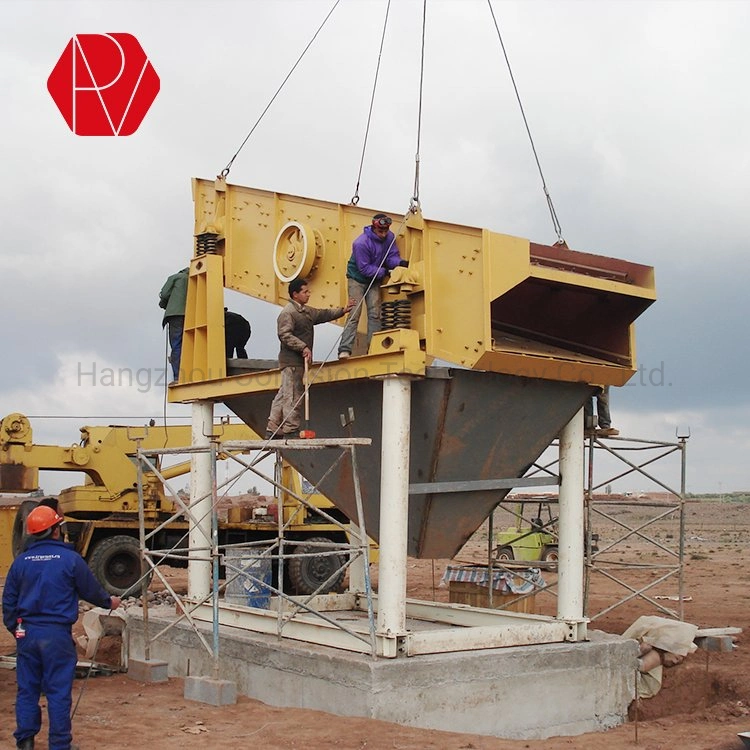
[[394, 357]]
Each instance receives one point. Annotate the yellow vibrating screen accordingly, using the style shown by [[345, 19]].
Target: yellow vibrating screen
[[527, 330]]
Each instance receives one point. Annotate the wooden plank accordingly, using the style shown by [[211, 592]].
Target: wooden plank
[[705, 632]]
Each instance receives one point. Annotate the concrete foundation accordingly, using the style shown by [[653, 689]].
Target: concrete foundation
[[213, 692], [148, 670], [528, 692]]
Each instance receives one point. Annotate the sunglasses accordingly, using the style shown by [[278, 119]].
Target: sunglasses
[[382, 223]]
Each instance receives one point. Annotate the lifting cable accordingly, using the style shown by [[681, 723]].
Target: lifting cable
[[355, 198], [414, 207], [555, 222], [414, 202], [225, 171]]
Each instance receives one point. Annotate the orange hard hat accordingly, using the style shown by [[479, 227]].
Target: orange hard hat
[[42, 518]]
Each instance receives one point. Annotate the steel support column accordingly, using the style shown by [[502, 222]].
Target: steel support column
[[394, 511], [571, 543], [199, 559]]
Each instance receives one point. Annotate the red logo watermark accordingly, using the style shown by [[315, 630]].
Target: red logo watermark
[[103, 84]]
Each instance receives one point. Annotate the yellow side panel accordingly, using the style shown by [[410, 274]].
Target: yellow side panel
[[456, 316], [254, 220], [506, 262], [203, 348]]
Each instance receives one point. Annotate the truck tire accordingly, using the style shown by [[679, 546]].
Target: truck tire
[[19, 526], [550, 554], [116, 564], [307, 573], [504, 554]]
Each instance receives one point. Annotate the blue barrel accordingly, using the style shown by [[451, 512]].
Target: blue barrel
[[257, 591], [251, 587]]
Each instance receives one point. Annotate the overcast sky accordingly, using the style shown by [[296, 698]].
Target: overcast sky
[[639, 113]]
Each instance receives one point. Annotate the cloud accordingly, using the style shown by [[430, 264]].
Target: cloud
[[634, 118]]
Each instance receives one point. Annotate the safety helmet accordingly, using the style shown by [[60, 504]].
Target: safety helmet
[[41, 519]]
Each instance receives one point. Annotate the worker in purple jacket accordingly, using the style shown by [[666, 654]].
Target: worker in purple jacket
[[374, 254]]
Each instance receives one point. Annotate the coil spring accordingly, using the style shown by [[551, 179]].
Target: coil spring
[[206, 243], [396, 314]]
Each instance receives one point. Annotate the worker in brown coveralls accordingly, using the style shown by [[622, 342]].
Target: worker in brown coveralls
[[295, 327]]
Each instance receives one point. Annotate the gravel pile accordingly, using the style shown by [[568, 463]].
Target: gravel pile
[[154, 599]]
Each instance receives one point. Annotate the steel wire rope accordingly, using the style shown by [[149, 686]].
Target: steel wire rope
[[550, 205], [415, 197], [225, 172], [412, 207], [355, 198]]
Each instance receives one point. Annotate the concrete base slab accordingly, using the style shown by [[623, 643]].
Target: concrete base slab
[[213, 692], [148, 670], [523, 692]]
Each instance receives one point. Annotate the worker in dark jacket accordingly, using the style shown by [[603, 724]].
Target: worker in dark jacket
[[601, 425], [172, 299], [236, 334], [374, 254], [40, 605], [295, 326]]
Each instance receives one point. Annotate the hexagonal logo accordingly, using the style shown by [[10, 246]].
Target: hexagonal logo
[[103, 84]]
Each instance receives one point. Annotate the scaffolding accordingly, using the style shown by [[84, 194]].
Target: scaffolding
[[251, 562], [634, 518], [638, 519]]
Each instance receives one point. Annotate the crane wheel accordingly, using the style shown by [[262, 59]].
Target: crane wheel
[[116, 563], [306, 574]]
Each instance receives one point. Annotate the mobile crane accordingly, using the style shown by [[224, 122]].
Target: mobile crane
[[102, 514]]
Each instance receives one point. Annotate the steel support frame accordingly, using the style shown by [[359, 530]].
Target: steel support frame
[[656, 451], [595, 508], [474, 628], [313, 619]]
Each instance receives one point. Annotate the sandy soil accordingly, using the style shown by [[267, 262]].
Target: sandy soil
[[702, 705]]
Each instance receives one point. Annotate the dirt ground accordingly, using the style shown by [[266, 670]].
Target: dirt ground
[[703, 704]]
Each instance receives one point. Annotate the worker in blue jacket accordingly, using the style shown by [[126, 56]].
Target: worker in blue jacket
[[374, 255], [40, 605]]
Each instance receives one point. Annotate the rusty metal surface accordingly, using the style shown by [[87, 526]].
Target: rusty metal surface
[[18, 478], [466, 425]]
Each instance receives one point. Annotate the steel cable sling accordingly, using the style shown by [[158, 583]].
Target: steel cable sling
[[414, 207], [225, 171], [355, 198], [550, 206]]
